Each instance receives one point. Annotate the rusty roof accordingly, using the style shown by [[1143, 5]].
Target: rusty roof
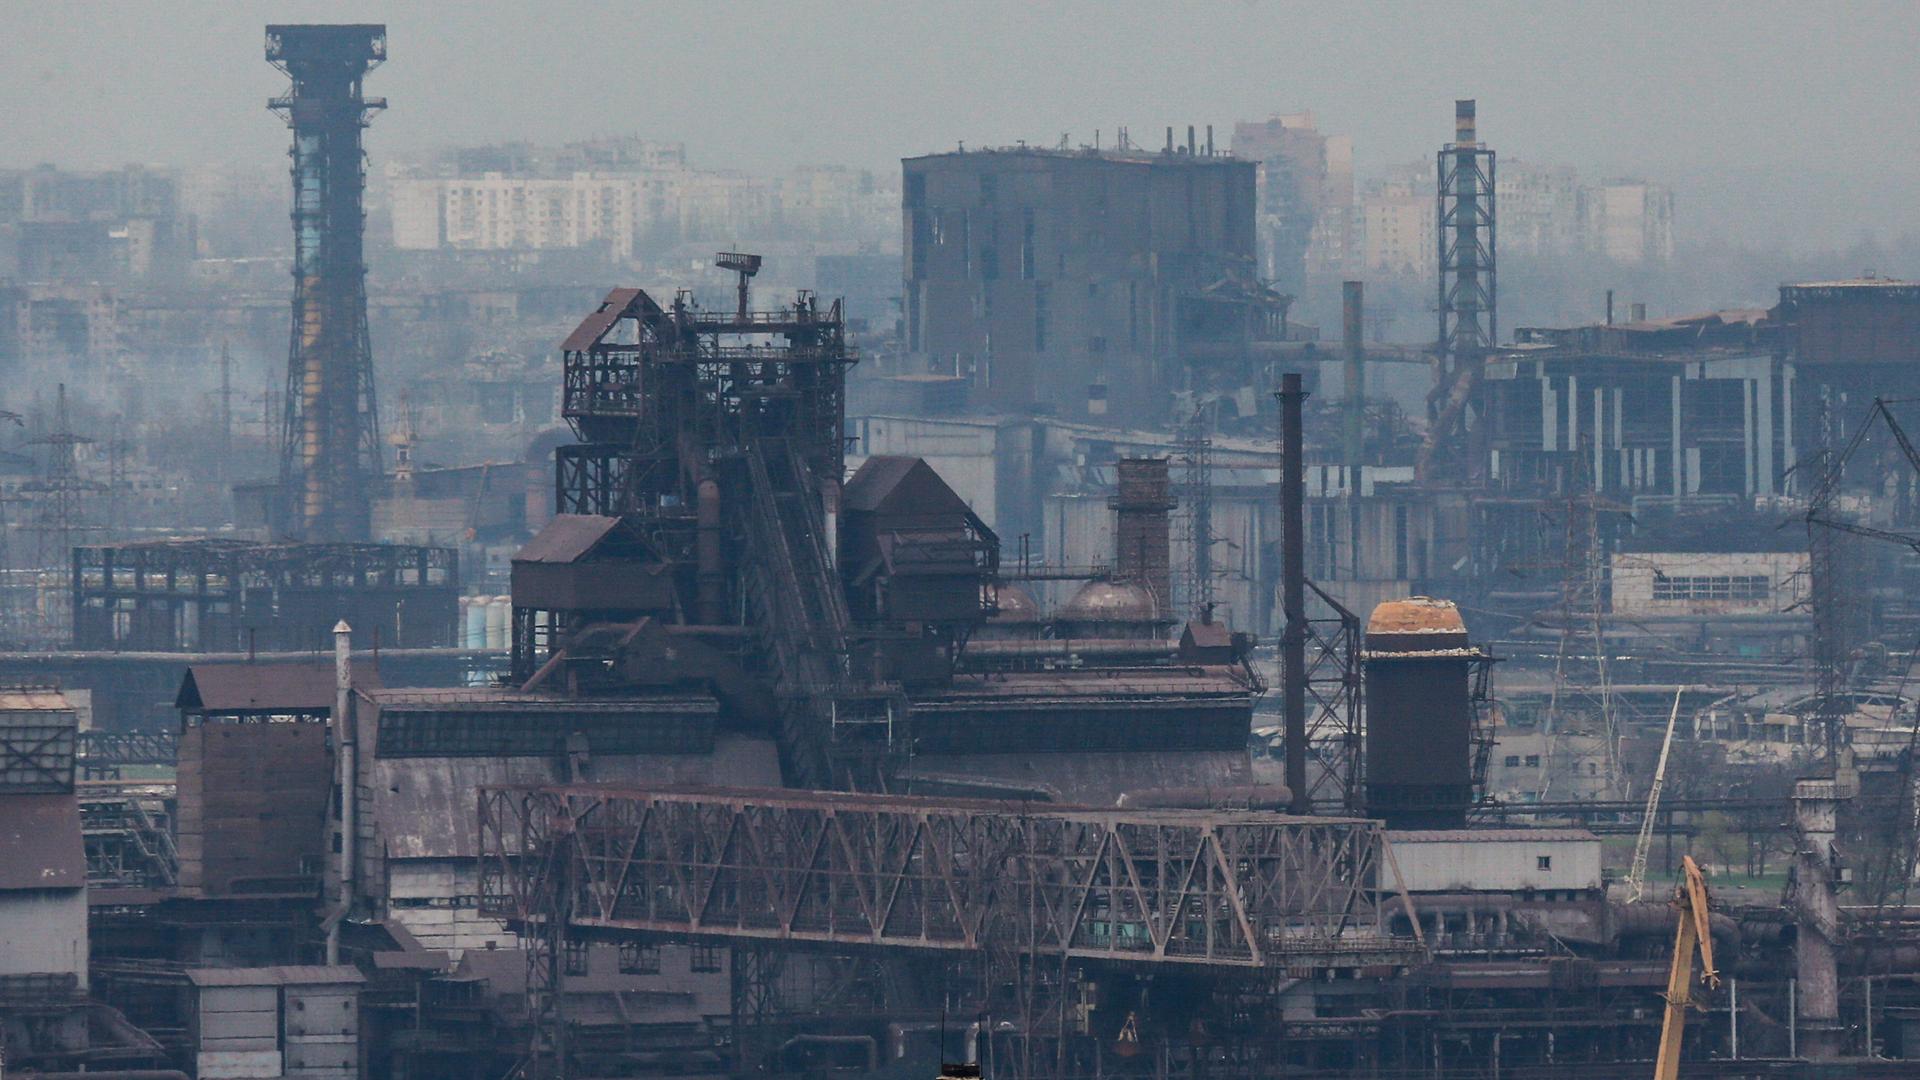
[[1416, 615], [260, 688], [619, 304], [33, 699], [901, 485], [566, 537], [40, 845]]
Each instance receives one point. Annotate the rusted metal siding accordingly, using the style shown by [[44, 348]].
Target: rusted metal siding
[[1855, 322], [253, 808]]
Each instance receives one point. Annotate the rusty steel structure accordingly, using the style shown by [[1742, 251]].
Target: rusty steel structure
[[1029, 900], [330, 461], [1469, 326], [209, 596], [1202, 889], [714, 437]]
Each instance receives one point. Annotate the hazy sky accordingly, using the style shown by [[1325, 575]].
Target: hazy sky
[[1787, 123]]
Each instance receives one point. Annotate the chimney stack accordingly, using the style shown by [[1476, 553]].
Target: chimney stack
[[1464, 133], [1142, 546]]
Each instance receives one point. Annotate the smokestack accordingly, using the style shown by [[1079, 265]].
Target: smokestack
[[1352, 303], [1293, 590], [1209, 140], [345, 746], [1141, 541], [1419, 741], [1169, 138], [1190, 145], [1609, 307], [1463, 124]]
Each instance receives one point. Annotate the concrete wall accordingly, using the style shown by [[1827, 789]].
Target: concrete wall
[[963, 453], [44, 931], [1692, 585], [1569, 765], [1496, 861], [437, 901]]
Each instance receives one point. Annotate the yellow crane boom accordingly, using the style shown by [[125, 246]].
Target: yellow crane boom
[[1694, 933]]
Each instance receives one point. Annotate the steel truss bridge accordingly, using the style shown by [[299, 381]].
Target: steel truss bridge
[[1162, 887], [1022, 901]]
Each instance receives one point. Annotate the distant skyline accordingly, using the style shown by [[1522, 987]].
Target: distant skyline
[[1781, 125]]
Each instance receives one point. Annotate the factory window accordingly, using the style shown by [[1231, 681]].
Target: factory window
[[638, 959], [707, 958], [575, 958], [1513, 761], [1544, 862], [1734, 587], [1533, 761]]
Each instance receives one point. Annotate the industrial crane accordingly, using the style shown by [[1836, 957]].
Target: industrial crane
[[1637, 875], [1690, 900]]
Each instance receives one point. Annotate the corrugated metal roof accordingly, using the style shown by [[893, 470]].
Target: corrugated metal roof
[[425, 806], [566, 538], [1485, 836], [507, 699], [884, 474], [281, 975], [618, 304], [293, 687], [40, 845], [417, 960]]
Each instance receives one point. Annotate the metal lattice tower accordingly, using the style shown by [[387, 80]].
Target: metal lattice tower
[[1469, 322], [61, 494], [1195, 495], [1582, 682], [330, 458]]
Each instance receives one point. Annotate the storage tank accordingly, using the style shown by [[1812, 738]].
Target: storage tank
[[1419, 687], [499, 622], [473, 621]]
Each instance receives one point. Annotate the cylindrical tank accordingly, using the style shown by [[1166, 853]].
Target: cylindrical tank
[[1016, 615], [1419, 739], [1109, 609], [499, 622], [473, 622]]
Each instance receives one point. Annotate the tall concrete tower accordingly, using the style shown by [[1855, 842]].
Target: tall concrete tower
[[330, 463]]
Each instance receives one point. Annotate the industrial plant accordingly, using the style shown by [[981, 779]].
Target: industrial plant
[[970, 623]]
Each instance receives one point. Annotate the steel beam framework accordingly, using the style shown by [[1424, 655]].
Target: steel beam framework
[[1194, 889], [219, 595], [331, 458]]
